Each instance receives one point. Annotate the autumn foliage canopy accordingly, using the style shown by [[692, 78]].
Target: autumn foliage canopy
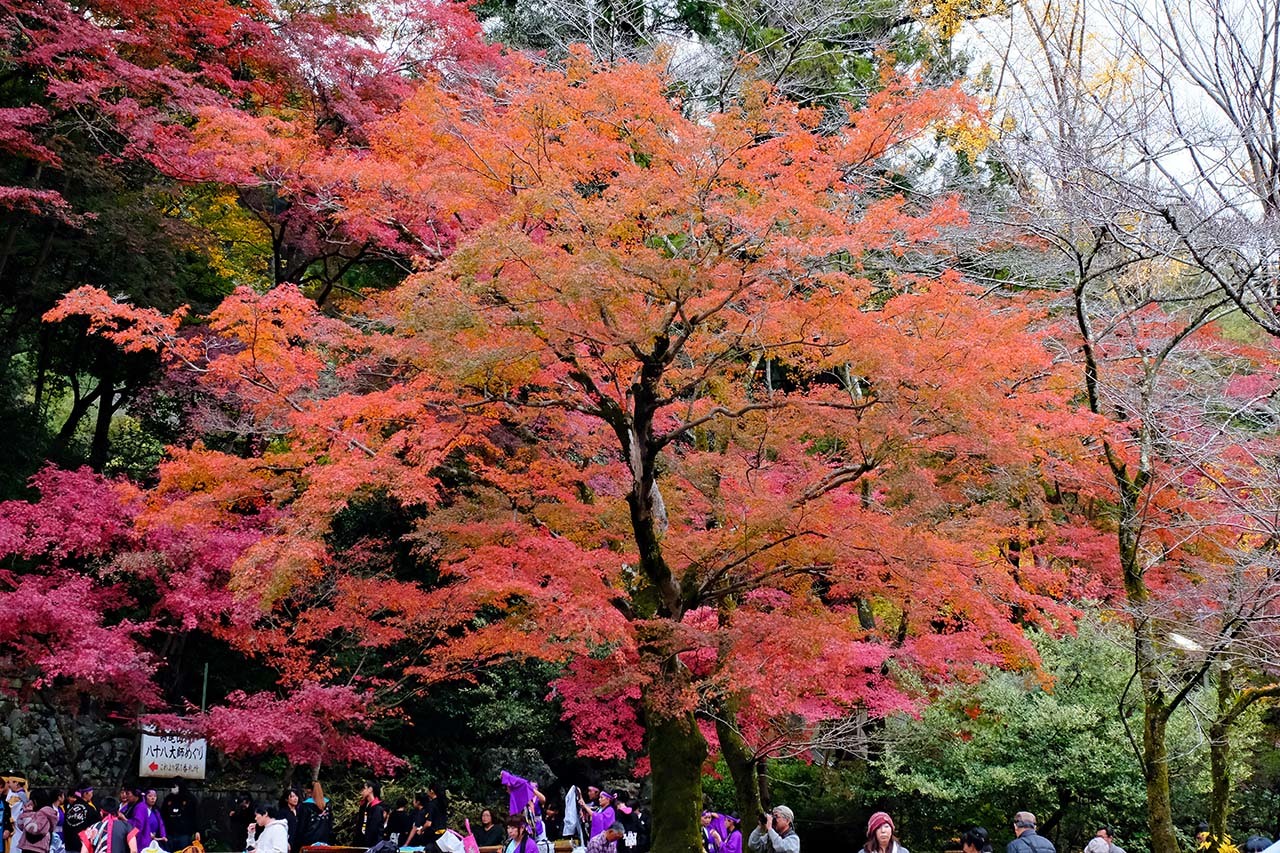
[[690, 403]]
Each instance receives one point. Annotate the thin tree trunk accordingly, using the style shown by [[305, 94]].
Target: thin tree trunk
[[1220, 763], [741, 762], [100, 447]]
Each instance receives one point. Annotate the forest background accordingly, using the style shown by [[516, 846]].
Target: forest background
[[857, 405]]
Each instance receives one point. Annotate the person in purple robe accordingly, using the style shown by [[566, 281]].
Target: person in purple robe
[[604, 816], [146, 818], [711, 839], [718, 825], [524, 798], [733, 838]]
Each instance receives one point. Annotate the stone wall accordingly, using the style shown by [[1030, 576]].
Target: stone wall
[[31, 743]]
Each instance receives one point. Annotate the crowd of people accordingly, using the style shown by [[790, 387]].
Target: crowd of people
[[45, 820], [50, 820]]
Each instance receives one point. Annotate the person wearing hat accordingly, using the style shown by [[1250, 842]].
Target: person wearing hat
[[607, 841], [15, 797], [1024, 827], [776, 833], [882, 835]]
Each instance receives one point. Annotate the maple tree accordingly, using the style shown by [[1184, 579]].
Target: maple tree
[[110, 114], [662, 412]]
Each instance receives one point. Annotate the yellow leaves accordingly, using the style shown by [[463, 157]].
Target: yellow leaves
[[234, 242], [968, 133], [944, 18]]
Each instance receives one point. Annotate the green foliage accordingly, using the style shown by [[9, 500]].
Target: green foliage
[[983, 751]]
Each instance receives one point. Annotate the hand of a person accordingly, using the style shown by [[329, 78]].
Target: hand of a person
[[768, 821]]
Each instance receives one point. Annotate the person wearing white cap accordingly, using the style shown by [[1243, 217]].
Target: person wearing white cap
[[775, 834]]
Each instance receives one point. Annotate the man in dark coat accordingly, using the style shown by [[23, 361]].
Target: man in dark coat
[[1027, 841]]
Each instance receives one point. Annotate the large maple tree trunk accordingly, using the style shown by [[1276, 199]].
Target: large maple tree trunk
[[677, 751]]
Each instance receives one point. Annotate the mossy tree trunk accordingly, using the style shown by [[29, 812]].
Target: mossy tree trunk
[[677, 751]]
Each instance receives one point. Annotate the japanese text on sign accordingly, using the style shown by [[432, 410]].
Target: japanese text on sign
[[172, 756]]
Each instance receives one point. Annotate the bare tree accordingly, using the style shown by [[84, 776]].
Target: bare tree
[[1147, 255]]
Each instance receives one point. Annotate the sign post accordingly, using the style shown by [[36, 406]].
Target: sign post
[[171, 756]]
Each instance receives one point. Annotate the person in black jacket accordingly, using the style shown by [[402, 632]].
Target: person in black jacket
[[399, 823], [315, 820], [372, 818], [1024, 827], [489, 833], [179, 814], [79, 814]]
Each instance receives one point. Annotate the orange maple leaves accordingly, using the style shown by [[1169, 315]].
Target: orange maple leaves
[[711, 318]]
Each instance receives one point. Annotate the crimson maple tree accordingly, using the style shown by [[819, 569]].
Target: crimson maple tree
[[675, 406]]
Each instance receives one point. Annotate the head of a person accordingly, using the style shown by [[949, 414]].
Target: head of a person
[[371, 791], [731, 822], [263, 814], [593, 792], [975, 840], [1022, 822], [706, 818], [605, 799], [401, 805], [515, 827], [486, 817], [880, 831], [151, 799], [109, 805], [1255, 844], [783, 817], [420, 800], [291, 798], [614, 832], [15, 783], [40, 797], [84, 791]]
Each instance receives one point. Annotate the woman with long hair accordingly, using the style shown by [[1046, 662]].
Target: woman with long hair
[[882, 835]]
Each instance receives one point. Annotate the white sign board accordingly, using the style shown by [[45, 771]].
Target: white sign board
[[172, 756]]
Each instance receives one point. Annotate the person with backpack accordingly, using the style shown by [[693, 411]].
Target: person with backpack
[[39, 822], [1026, 840], [112, 834]]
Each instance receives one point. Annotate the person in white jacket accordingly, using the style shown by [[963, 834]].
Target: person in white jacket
[[274, 837]]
